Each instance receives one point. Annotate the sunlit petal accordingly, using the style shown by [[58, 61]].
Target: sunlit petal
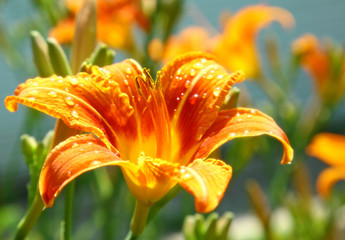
[[194, 86], [328, 178], [91, 102], [207, 181], [70, 159], [329, 148], [242, 122]]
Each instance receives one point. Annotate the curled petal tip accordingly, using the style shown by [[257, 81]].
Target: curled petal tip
[[284, 17]]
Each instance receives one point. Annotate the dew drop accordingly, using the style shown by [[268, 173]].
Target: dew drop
[[198, 65], [31, 99], [204, 95], [52, 94], [69, 101], [183, 170], [192, 72], [246, 131], [125, 82], [209, 77], [74, 81], [193, 99], [68, 174], [74, 145], [128, 71], [96, 162], [187, 177], [178, 99], [187, 84], [253, 111], [232, 134], [74, 114], [216, 91], [220, 76], [33, 92]]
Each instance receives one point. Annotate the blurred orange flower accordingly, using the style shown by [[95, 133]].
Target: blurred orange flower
[[114, 21], [329, 148], [235, 47], [317, 61], [159, 132]]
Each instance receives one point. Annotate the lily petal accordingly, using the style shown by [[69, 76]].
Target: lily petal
[[242, 122], [70, 159], [91, 102], [239, 36], [328, 178], [329, 148], [207, 180], [195, 86]]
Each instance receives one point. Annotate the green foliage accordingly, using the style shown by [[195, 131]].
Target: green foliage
[[35, 153]]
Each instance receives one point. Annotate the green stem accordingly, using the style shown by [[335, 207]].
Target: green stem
[[139, 220], [131, 236], [31, 217], [68, 210]]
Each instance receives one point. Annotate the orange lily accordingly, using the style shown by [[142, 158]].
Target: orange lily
[[114, 21], [159, 132], [329, 148], [235, 47], [316, 60]]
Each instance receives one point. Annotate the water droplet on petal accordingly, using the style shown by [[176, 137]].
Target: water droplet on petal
[[74, 114], [220, 76], [209, 77], [52, 94], [31, 99], [192, 72], [96, 162], [216, 91], [187, 84], [33, 92], [232, 134], [193, 99], [74, 145], [182, 170], [128, 71], [74, 81], [198, 65], [69, 101], [246, 131]]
